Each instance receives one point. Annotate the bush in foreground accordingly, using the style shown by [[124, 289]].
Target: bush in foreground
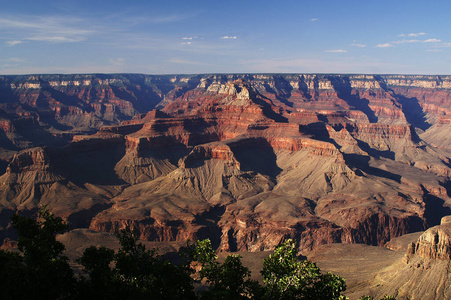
[[40, 271]]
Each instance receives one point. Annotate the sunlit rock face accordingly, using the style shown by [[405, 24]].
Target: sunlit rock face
[[246, 160], [434, 243]]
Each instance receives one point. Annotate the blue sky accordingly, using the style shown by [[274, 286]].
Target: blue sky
[[167, 37]]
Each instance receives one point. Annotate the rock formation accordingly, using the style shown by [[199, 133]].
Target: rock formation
[[434, 243], [424, 271], [246, 160]]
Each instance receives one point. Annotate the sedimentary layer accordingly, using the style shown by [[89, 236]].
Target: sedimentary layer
[[246, 160]]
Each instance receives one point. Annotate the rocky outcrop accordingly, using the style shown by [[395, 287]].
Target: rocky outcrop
[[434, 243], [423, 272]]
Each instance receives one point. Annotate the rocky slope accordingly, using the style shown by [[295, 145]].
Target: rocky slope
[[246, 160], [423, 273]]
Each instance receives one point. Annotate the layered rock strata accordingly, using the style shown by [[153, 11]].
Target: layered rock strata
[[246, 160]]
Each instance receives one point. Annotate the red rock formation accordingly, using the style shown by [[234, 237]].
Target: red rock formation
[[247, 160], [35, 159], [6, 126]]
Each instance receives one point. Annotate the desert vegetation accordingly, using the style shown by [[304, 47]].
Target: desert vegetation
[[40, 270]]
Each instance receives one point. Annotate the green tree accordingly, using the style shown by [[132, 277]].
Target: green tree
[[138, 273], [230, 280], [12, 274], [285, 277], [96, 262], [101, 283], [44, 273]]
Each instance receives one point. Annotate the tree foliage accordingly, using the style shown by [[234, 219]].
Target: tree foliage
[[138, 273], [40, 271], [230, 280], [286, 277]]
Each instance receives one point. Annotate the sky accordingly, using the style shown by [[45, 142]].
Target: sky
[[246, 36]]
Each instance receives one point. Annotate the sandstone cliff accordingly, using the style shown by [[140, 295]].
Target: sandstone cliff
[[246, 160]]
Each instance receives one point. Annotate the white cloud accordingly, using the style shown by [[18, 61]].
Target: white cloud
[[408, 41], [226, 37], [186, 43], [416, 34], [354, 44], [313, 19], [386, 45], [337, 51], [432, 41], [190, 38], [56, 39], [405, 41], [413, 34], [13, 43]]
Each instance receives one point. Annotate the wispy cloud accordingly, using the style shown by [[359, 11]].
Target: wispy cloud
[[407, 41], [45, 28], [314, 19], [227, 37], [386, 45], [443, 45], [337, 51], [434, 50], [117, 61], [432, 41], [13, 43], [413, 34], [12, 60], [61, 25], [188, 40], [404, 41], [56, 39], [11, 63], [355, 44]]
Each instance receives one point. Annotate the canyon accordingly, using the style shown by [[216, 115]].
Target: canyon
[[246, 160], [351, 167]]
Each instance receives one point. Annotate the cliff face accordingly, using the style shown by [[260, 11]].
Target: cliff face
[[434, 243], [423, 272], [246, 160]]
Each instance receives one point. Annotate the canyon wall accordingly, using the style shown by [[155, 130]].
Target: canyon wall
[[246, 160]]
